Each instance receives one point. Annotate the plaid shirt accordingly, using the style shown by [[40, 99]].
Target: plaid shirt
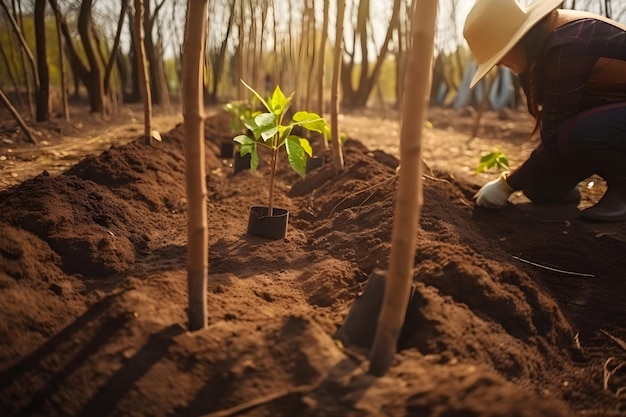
[[570, 85]]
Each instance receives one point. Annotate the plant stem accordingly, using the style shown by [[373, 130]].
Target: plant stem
[[270, 209]]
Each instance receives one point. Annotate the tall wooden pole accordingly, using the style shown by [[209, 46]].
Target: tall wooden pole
[[144, 72], [409, 197], [193, 115]]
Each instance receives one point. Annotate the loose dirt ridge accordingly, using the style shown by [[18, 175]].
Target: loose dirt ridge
[[511, 316]]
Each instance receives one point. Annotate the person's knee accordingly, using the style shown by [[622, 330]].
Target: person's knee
[[551, 195]]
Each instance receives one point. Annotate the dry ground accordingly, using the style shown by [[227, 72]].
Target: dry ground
[[517, 312]]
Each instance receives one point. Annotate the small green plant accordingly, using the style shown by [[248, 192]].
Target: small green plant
[[270, 130], [240, 111], [494, 158]]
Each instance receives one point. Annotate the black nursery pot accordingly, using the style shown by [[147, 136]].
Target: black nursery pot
[[313, 163], [274, 227], [241, 163], [227, 150]]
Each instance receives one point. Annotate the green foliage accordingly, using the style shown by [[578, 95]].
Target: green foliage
[[269, 129], [241, 112], [494, 158]]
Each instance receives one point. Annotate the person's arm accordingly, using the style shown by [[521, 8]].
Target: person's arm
[[566, 66]]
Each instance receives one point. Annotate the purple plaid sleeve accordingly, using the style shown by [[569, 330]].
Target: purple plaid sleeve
[[566, 64]]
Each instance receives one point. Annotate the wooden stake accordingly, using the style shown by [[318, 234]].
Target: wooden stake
[[193, 114], [409, 198]]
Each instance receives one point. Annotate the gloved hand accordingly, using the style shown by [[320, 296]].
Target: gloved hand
[[495, 193]]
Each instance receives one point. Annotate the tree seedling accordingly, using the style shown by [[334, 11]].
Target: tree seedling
[[494, 158], [240, 112], [269, 130]]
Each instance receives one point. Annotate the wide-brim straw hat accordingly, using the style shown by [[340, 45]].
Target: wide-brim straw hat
[[493, 27]]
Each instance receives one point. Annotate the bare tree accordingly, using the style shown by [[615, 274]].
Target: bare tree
[[218, 54], [25, 49], [11, 73], [152, 51], [28, 70], [108, 71], [193, 112], [321, 61], [142, 64], [409, 198], [358, 96], [43, 87], [63, 75], [91, 74], [334, 88]]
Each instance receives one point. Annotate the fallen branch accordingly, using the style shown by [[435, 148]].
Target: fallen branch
[[238, 409], [5, 101], [617, 340], [561, 271]]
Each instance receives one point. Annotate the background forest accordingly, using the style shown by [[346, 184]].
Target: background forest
[[54, 50]]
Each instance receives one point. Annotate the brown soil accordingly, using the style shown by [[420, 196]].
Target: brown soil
[[518, 312]]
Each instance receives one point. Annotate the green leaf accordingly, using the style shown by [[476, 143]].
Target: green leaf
[[265, 120], [257, 95], [245, 149], [306, 146], [492, 159], [269, 134], [283, 133], [278, 102], [250, 148], [310, 121], [243, 139], [260, 124], [296, 155]]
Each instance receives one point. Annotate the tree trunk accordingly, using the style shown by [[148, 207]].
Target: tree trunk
[[321, 62], [63, 75], [193, 113], [17, 117], [116, 43], [409, 198], [156, 78], [94, 82], [357, 97], [135, 88], [10, 71], [241, 62], [43, 89], [218, 59], [17, 11], [24, 50], [90, 77], [337, 152], [142, 64]]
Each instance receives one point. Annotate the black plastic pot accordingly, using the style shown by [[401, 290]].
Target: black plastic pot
[[359, 327], [274, 226], [313, 163], [241, 163], [227, 150]]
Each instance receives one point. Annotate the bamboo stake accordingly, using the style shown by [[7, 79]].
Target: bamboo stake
[[193, 114], [337, 154], [409, 198], [144, 73]]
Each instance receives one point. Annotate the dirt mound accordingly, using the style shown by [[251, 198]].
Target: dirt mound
[[93, 296]]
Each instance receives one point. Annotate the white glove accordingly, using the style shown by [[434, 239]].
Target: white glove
[[495, 193]]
